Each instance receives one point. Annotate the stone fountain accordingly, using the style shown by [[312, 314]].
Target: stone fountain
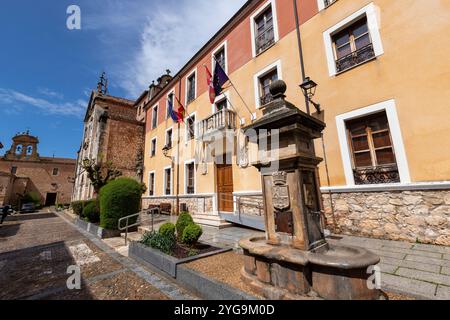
[[294, 260]]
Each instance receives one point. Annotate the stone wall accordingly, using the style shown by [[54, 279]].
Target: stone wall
[[196, 205], [422, 216]]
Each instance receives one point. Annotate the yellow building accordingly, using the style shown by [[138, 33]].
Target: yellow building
[[383, 75]]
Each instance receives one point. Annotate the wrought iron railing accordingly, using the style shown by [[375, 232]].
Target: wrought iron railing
[[265, 99], [190, 190], [265, 39], [377, 175], [221, 120], [355, 58]]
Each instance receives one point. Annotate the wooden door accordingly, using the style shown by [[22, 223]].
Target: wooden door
[[225, 187]]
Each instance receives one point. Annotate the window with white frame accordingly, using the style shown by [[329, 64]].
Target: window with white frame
[[190, 127], [264, 30], [190, 177], [169, 137], [262, 82], [55, 172], [170, 100], [191, 87], [221, 104], [325, 3], [153, 147], [221, 58], [353, 41], [168, 181], [154, 117], [151, 184], [372, 146]]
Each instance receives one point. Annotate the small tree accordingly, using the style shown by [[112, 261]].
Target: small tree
[[100, 173]]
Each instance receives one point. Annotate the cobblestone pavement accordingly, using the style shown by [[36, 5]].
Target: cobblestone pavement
[[36, 250], [407, 268]]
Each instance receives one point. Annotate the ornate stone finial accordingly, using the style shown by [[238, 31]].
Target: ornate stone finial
[[278, 89], [168, 72]]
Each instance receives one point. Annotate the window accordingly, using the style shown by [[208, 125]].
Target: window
[[154, 117], [153, 148], [169, 138], [325, 3], [55, 171], [170, 100], [167, 181], [353, 46], [264, 85], [221, 105], [13, 170], [191, 84], [29, 150], [151, 184], [220, 57], [190, 127], [190, 178], [354, 40], [372, 150], [265, 36]]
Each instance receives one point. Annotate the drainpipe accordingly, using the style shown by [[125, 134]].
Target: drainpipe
[[300, 51]]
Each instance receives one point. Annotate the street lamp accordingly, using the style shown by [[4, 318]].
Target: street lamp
[[165, 151], [309, 90]]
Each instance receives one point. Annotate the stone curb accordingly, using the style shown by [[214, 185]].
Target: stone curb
[[95, 230]]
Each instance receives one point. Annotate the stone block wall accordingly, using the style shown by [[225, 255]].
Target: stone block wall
[[414, 216], [196, 205]]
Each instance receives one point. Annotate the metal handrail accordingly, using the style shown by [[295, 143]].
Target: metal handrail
[[138, 222]]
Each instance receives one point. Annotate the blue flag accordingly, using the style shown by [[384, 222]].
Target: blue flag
[[172, 113], [219, 79]]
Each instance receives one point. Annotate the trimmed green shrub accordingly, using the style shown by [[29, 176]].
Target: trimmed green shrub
[[157, 240], [32, 197], [191, 234], [77, 207], [118, 199], [91, 212], [167, 229], [183, 221]]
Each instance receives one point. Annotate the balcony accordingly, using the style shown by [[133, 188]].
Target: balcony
[[355, 58], [222, 120], [377, 175]]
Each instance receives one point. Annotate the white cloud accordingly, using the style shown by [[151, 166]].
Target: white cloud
[[170, 32], [50, 93], [15, 100]]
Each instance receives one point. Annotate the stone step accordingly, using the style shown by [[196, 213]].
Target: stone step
[[132, 236], [211, 221]]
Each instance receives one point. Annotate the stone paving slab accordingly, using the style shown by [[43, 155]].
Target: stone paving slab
[[412, 265], [439, 262], [443, 293], [431, 248], [411, 286], [424, 276], [412, 252], [445, 270]]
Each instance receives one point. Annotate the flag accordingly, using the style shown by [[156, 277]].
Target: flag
[[172, 113], [209, 80], [220, 78], [181, 111]]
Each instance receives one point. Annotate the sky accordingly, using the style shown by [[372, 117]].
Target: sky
[[47, 71]]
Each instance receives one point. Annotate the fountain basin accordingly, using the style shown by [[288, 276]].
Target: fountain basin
[[283, 272]]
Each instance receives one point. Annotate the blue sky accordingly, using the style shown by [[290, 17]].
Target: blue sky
[[47, 71]]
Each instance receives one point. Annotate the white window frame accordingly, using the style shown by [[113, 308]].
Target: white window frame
[[372, 13], [153, 112], [397, 140], [321, 4], [156, 147], [154, 183], [223, 96], [165, 135], [224, 46], [171, 180], [275, 24], [193, 114], [276, 65], [186, 86], [186, 163], [167, 102]]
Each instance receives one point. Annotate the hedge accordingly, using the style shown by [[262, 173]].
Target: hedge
[[191, 234], [91, 211], [167, 229], [118, 199], [183, 221]]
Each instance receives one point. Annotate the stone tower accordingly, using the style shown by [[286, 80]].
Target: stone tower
[[24, 147]]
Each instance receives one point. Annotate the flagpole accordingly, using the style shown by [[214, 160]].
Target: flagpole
[[240, 96], [178, 154]]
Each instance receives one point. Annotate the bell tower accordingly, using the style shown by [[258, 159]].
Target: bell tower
[[24, 147]]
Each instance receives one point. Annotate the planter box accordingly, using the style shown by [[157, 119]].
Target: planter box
[[162, 261], [96, 230], [209, 289]]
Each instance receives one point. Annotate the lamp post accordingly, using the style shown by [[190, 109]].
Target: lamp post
[[309, 91], [165, 151]]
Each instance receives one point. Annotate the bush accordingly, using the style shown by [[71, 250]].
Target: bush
[[167, 229], [183, 221], [32, 197], [157, 240], [91, 212], [77, 207], [191, 234], [118, 199]]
